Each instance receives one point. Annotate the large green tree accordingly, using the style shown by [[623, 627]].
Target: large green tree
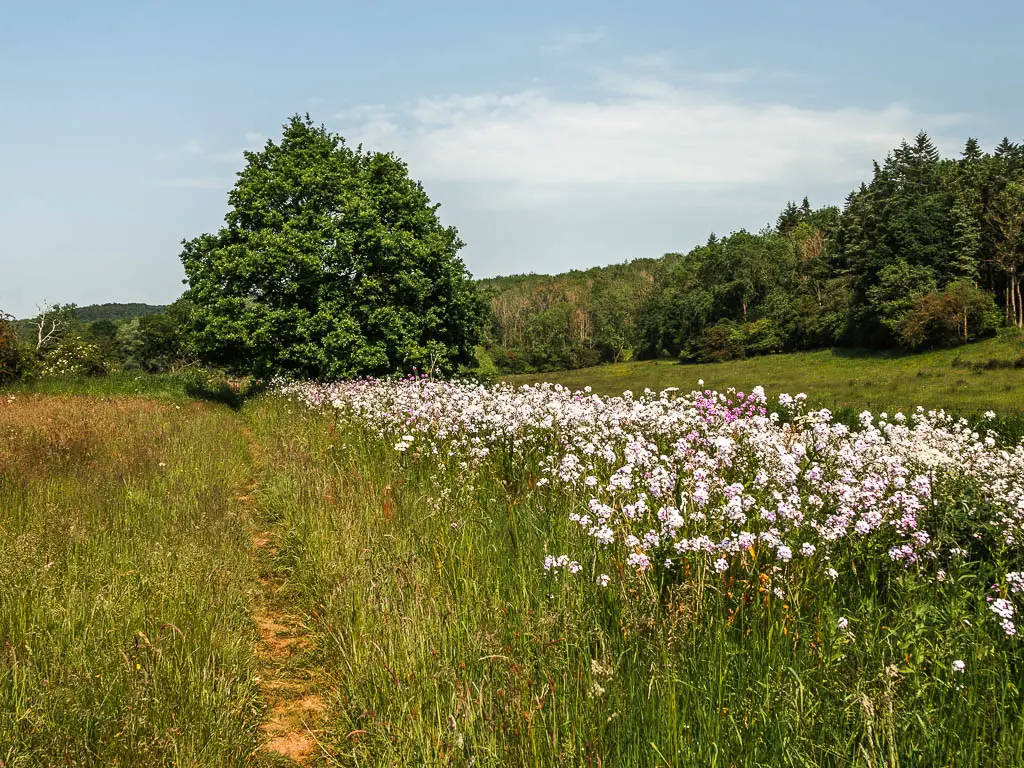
[[332, 264]]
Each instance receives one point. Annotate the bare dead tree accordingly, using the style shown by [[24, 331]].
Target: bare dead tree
[[49, 327]]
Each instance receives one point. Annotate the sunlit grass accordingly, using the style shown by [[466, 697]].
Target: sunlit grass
[[124, 585], [446, 644], [973, 378], [127, 580]]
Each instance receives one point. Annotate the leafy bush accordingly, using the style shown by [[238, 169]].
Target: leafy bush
[[73, 356], [761, 337], [728, 340], [13, 358], [485, 368], [724, 341], [957, 315]]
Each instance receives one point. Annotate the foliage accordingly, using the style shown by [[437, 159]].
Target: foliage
[[483, 367], [73, 355], [52, 324], [897, 291], [114, 312], [827, 277], [159, 342], [103, 333], [332, 263], [955, 316], [723, 341], [14, 358]]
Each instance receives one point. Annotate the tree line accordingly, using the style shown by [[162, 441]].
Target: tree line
[[66, 340], [928, 253], [333, 263]]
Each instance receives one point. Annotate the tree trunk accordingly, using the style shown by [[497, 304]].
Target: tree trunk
[[1012, 305], [1020, 302]]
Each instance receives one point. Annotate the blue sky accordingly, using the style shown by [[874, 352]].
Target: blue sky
[[554, 135]]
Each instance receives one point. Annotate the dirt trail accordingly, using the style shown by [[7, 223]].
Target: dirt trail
[[288, 686]]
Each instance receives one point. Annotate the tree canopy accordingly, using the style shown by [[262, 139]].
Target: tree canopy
[[332, 264], [927, 253]]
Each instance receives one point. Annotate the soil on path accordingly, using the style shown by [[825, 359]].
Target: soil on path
[[294, 710]]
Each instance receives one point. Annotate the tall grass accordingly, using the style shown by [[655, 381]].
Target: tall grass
[[446, 643], [125, 571], [126, 635]]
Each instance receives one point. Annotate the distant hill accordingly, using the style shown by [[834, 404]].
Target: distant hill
[[116, 311]]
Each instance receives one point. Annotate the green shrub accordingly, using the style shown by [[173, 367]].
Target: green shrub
[[761, 337], [73, 356], [485, 368], [723, 341], [960, 313], [16, 360]]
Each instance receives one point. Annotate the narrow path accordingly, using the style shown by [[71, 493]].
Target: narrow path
[[287, 684]]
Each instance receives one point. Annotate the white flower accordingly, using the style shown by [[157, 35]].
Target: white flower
[[959, 666], [603, 580], [1002, 608], [843, 622], [721, 565], [832, 573]]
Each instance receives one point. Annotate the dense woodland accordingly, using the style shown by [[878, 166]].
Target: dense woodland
[[928, 253]]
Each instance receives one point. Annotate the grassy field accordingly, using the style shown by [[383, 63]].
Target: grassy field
[[968, 379], [125, 580], [222, 581], [439, 640]]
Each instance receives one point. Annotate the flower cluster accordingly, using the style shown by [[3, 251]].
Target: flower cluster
[[716, 479]]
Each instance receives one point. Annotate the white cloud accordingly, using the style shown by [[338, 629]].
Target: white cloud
[[652, 160], [641, 136], [538, 181]]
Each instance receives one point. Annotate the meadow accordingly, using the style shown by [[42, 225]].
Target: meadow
[[423, 573], [125, 580], [970, 379]]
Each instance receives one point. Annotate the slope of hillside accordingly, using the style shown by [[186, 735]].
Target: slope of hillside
[[976, 377], [116, 311]]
